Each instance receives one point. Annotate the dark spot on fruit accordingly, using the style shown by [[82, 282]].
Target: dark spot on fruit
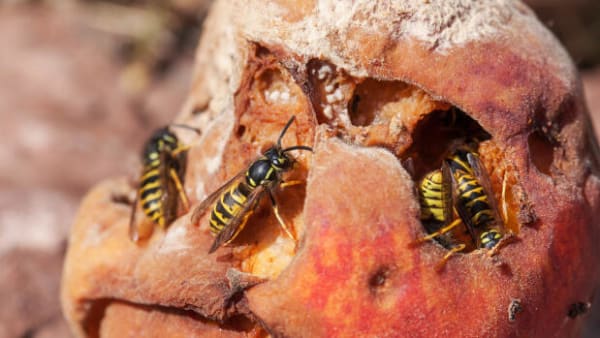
[[241, 130], [199, 109], [514, 308], [577, 309], [379, 279]]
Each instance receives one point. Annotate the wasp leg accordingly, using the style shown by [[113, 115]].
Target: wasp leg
[[179, 187], [504, 204], [440, 232], [180, 150], [439, 266], [290, 183], [133, 233], [279, 219], [510, 238]]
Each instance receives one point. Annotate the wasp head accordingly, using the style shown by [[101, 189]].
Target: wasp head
[[162, 140], [279, 159]]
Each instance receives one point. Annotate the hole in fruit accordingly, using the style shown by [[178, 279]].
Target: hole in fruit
[[242, 323], [106, 310], [577, 309], [275, 88], [375, 101], [378, 279], [472, 219], [541, 151], [436, 134], [357, 117], [240, 130], [353, 104], [94, 315]]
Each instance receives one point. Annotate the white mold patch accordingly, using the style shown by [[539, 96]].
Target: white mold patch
[[439, 25]]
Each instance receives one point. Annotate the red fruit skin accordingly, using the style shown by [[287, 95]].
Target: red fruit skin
[[357, 274]]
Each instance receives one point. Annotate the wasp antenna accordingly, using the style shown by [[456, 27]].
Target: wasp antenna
[[287, 125], [297, 148], [184, 126]]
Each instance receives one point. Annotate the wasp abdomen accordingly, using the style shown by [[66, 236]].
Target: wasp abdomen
[[228, 206], [151, 191], [161, 182], [431, 197], [474, 199], [489, 239]]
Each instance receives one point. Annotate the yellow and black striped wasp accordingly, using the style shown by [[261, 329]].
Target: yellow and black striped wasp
[[463, 186], [160, 186], [234, 202]]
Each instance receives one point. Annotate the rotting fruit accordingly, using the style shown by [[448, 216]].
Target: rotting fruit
[[371, 84]]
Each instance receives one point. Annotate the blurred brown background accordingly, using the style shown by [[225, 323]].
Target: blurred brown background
[[83, 83]]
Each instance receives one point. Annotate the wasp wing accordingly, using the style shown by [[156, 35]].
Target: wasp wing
[[168, 199], [210, 199], [447, 194], [482, 176], [460, 208], [139, 230], [235, 224]]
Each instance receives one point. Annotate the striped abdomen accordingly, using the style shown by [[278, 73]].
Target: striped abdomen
[[229, 205], [473, 199], [151, 191], [430, 197]]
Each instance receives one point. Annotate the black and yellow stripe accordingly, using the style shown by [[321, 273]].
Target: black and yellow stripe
[[461, 186], [234, 202], [459, 162], [151, 189], [489, 238], [474, 204], [430, 197], [472, 197], [228, 206], [234, 199], [160, 186], [151, 193]]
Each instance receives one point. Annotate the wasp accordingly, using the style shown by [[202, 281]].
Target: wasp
[[160, 186], [461, 186], [234, 202]]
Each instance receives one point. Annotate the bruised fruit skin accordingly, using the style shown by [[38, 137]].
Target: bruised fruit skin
[[373, 86]]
